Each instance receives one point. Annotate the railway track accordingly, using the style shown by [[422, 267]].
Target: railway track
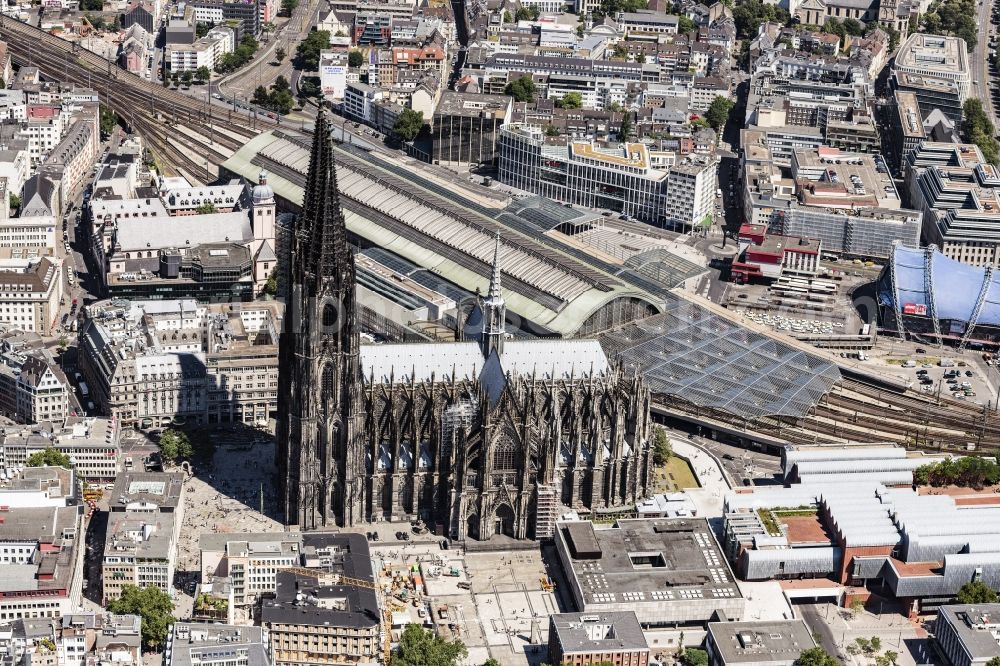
[[149, 109]]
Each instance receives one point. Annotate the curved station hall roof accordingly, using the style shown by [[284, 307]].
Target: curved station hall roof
[[926, 282], [450, 231]]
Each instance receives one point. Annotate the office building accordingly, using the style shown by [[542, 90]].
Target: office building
[[33, 388], [622, 180], [332, 617], [92, 443], [936, 56], [246, 12], [968, 634], [774, 643], [587, 639], [466, 127], [921, 551], [668, 571], [30, 291], [43, 560], [960, 201], [907, 131], [152, 362], [197, 644]]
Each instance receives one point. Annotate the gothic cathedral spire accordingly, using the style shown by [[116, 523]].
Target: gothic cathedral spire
[[320, 407], [494, 310]]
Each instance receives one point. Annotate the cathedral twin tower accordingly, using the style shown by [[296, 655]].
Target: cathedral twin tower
[[470, 437]]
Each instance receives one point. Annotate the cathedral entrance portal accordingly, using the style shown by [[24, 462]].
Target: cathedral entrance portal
[[472, 527], [505, 520]]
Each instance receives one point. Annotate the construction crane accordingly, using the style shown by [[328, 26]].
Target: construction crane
[[333, 578]]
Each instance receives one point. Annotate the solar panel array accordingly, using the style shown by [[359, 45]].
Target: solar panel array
[[691, 353]]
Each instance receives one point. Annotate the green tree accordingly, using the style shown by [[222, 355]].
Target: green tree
[[420, 647], [522, 89], [527, 14], [854, 27], [615, 107], [49, 457], [816, 656], [695, 657], [355, 59], [14, 201], [661, 446], [491, 662], [408, 124], [261, 97], [203, 74], [507, 18], [612, 7], [155, 608], [187, 76], [749, 16], [835, 27], [619, 51], [307, 53], [280, 53], [977, 592], [718, 112], [92, 5], [271, 286], [856, 607], [108, 121], [206, 208], [978, 129], [175, 445], [995, 661], [201, 29], [876, 644], [626, 129], [571, 100], [685, 25], [288, 6]]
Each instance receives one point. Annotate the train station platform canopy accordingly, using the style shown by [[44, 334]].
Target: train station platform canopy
[[694, 354]]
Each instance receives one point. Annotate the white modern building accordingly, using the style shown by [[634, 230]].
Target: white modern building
[[624, 180]]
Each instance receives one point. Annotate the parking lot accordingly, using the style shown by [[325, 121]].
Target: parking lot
[[964, 375]]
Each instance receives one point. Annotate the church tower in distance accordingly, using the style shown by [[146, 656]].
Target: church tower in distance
[[320, 411]]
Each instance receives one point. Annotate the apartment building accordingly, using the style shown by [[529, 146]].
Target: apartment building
[[250, 562], [138, 550], [623, 180], [73, 158], [150, 362], [147, 510]]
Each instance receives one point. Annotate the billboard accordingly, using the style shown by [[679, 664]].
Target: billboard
[[915, 309], [333, 80]]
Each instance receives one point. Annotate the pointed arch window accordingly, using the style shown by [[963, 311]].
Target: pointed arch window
[[505, 456], [327, 387]]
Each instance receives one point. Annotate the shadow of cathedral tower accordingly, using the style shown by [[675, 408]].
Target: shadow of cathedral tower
[[487, 436]]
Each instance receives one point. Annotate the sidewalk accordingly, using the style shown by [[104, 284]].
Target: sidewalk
[[714, 486]]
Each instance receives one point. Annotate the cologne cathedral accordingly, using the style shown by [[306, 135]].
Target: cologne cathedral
[[483, 436]]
